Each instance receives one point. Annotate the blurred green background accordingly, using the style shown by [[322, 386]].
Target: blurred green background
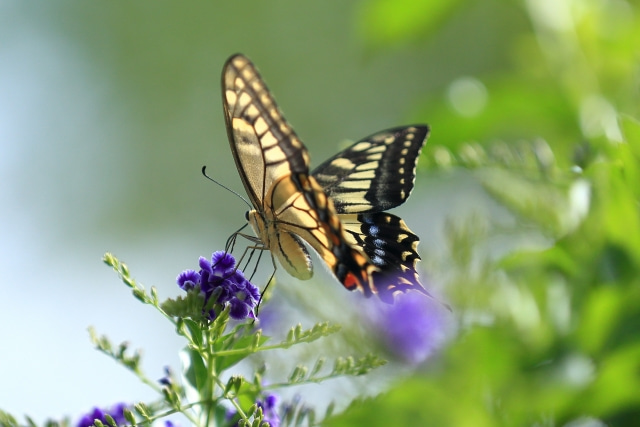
[[109, 110]]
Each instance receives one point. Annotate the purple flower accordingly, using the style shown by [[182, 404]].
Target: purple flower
[[220, 277], [413, 327], [188, 279], [116, 412], [167, 380], [268, 406]]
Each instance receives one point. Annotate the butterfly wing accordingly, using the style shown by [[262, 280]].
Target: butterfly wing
[[376, 173], [263, 144]]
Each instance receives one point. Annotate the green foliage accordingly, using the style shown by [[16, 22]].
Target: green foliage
[[548, 335]]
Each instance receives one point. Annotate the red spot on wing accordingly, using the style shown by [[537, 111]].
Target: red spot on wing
[[351, 281]]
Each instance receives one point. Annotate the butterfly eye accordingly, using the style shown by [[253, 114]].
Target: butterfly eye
[[246, 215]]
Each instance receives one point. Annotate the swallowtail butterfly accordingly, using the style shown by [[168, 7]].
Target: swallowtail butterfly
[[338, 208]]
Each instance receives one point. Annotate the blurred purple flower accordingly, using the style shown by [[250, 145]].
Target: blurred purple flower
[[167, 380], [221, 277], [268, 406], [413, 327], [116, 412]]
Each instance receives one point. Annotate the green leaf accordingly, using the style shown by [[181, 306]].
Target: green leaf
[[195, 331], [196, 370], [245, 343]]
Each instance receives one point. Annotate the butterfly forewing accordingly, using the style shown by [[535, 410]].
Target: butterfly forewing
[[376, 173], [264, 146]]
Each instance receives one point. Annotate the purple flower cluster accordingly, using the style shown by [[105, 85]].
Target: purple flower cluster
[[116, 412], [221, 277]]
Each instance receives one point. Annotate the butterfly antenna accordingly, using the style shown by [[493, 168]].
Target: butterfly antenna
[[225, 187]]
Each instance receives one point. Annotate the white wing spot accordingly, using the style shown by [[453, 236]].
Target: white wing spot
[[261, 126], [355, 185], [239, 83], [244, 99], [240, 61], [232, 98], [247, 74], [376, 260], [378, 149], [257, 86], [368, 174], [367, 166], [268, 140], [252, 111], [342, 163], [361, 146]]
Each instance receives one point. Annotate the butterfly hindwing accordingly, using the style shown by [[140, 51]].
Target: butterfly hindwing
[[390, 245], [337, 209]]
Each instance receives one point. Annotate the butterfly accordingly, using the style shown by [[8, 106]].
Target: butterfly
[[338, 209]]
